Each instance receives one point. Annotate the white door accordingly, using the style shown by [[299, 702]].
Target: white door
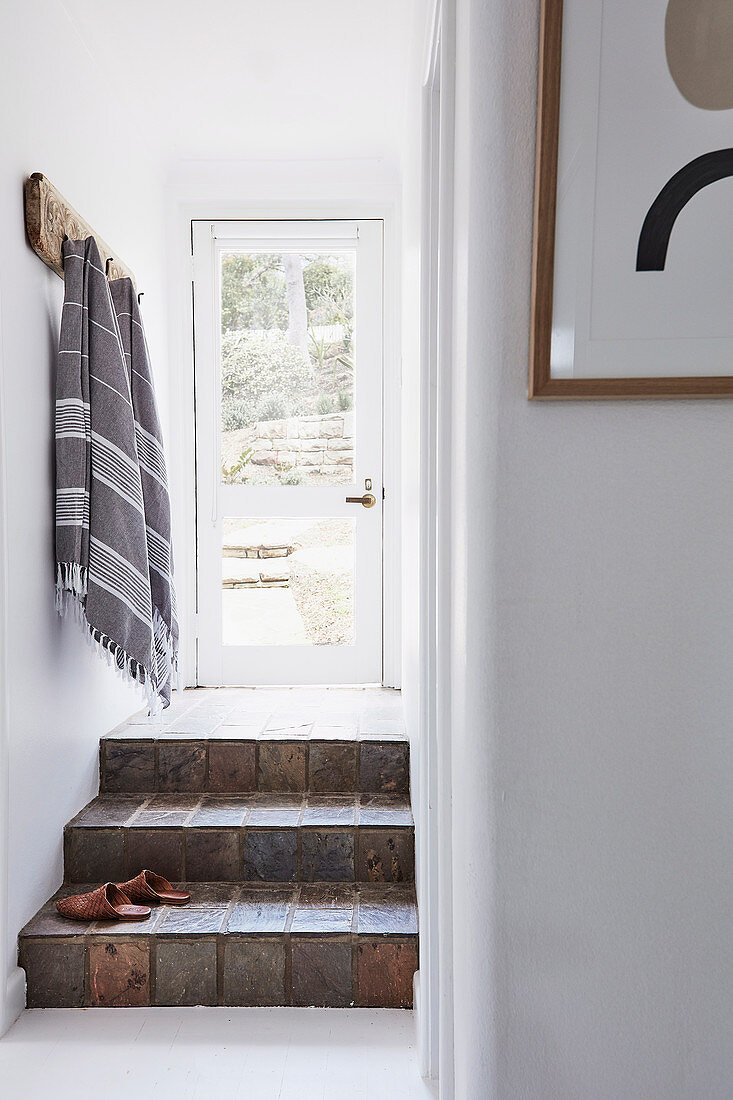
[[288, 365]]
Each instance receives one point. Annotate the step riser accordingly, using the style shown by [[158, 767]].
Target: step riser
[[323, 971], [224, 766], [298, 854]]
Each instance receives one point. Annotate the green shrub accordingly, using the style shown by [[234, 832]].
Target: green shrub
[[293, 476], [272, 409], [345, 402], [324, 404], [233, 475], [259, 368], [235, 413]]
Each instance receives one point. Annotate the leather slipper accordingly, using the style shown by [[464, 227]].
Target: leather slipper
[[107, 902], [149, 888]]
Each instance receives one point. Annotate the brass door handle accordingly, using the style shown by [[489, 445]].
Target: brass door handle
[[368, 500]]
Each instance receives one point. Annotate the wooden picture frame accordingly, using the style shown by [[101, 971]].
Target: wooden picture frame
[[542, 385]]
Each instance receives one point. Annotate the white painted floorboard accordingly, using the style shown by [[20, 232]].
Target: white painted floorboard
[[191, 1053]]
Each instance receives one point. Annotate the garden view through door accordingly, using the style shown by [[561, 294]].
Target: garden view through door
[[288, 365]]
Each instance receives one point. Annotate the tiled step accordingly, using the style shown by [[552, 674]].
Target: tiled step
[[230, 764], [331, 946], [243, 838], [299, 812]]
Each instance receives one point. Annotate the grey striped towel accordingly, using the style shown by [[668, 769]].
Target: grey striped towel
[[113, 538]]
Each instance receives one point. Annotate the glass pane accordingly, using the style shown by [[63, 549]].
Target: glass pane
[[288, 582], [287, 368]]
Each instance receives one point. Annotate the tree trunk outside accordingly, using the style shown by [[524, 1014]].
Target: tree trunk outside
[[297, 314]]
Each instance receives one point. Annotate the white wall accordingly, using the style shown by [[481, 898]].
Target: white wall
[[66, 115], [593, 686], [280, 80], [410, 442], [415, 63]]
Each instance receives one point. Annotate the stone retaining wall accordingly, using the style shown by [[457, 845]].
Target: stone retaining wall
[[310, 441]]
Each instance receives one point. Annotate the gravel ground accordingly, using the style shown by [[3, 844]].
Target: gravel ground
[[327, 532], [324, 595], [326, 603]]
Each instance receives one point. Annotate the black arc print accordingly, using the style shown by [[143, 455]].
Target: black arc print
[[678, 190]]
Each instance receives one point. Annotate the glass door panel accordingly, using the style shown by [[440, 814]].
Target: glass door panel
[[288, 581], [287, 367]]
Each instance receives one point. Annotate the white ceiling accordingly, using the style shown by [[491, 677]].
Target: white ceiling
[[247, 78]]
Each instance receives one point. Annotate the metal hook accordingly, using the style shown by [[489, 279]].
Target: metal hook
[[140, 296]]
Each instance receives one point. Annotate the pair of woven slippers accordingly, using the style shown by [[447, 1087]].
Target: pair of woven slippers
[[124, 900]]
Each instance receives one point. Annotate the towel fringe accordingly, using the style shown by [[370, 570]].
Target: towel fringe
[[71, 591], [71, 583], [166, 659]]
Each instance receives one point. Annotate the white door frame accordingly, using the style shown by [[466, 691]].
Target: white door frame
[[435, 889], [264, 664], [200, 197]]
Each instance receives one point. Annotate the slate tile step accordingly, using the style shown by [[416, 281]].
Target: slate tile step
[[235, 765], [261, 718], [263, 809], [325, 945], [257, 837]]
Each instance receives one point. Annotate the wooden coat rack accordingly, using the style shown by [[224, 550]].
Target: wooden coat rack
[[50, 219]]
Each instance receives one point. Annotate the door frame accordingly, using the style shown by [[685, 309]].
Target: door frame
[[232, 663], [435, 864], [201, 199]]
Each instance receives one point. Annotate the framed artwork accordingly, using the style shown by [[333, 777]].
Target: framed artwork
[[632, 282]]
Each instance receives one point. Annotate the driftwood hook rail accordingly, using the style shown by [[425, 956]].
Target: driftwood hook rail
[[50, 219]]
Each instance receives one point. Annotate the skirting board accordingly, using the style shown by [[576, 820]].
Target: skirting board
[[14, 999]]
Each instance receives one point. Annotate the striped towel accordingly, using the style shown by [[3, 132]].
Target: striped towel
[[113, 550]]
